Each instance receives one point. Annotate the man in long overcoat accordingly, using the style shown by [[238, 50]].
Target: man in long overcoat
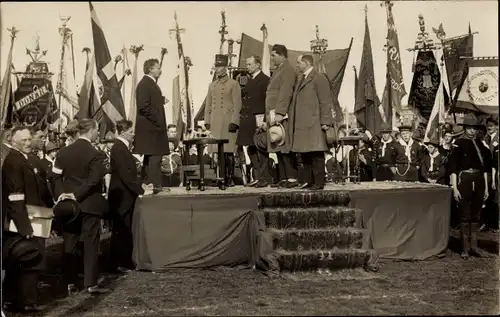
[[310, 116], [278, 98], [151, 137], [222, 113], [253, 110]]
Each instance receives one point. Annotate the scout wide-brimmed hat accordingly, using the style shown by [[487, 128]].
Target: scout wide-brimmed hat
[[277, 135], [385, 128], [470, 120], [67, 210], [434, 141], [51, 146]]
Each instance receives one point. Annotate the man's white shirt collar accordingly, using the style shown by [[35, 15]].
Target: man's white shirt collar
[[307, 72], [255, 74], [154, 79], [127, 143], [8, 145], [49, 159]]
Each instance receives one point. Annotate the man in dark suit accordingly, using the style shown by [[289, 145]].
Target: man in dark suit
[[5, 146], [252, 117], [151, 137], [20, 189], [79, 169], [124, 187], [310, 115]]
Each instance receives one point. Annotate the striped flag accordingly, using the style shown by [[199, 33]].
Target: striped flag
[[111, 102], [438, 110]]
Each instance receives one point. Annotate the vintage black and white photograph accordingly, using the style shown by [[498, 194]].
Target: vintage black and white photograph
[[249, 158]]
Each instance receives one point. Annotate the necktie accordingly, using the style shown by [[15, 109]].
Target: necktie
[[301, 80]]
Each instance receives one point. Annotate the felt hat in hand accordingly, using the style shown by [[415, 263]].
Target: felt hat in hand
[[17, 249], [277, 135], [260, 139]]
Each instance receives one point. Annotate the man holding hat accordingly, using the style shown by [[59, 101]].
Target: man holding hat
[[310, 115], [389, 154], [222, 113], [469, 164], [278, 98], [22, 253]]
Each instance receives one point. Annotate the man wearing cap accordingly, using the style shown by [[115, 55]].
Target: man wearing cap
[[409, 170], [20, 188], [151, 139], [278, 98], [80, 170], [389, 154], [432, 169], [310, 115], [252, 117], [222, 113], [469, 164]]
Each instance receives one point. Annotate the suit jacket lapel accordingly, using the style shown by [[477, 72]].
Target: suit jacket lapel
[[308, 79]]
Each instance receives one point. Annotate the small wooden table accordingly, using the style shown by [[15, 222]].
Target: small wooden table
[[200, 144]]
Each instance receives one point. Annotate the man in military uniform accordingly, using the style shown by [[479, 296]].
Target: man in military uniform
[[278, 98], [222, 113], [20, 189], [409, 171], [389, 154], [252, 117], [80, 169], [469, 164]]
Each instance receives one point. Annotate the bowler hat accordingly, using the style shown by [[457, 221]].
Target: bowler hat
[[21, 250], [67, 210], [221, 60], [385, 128], [260, 139], [277, 135], [470, 120]]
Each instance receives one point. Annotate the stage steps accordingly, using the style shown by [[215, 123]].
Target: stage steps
[[314, 230]]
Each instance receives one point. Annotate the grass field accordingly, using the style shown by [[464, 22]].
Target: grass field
[[445, 286]]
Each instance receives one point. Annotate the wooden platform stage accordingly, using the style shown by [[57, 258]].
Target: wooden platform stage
[[409, 221]]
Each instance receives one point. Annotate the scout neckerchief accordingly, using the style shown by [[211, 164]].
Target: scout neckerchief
[[432, 157], [384, 145], [407, 147]]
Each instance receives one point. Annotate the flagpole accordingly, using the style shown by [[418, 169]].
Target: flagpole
[[63, 30], [6, 88]]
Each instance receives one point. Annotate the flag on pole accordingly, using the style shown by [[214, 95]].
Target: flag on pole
[[437, 116], [453, 49], [66, 86], [111, 99], [6, 89], [367, 102], [176, 99], [87, 92], [266, 54], [479, 91], [132, 110], [395, 87]]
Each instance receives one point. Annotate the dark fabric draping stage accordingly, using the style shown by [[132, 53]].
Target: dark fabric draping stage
[[196, 231], [408, 224], [212, 228]]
